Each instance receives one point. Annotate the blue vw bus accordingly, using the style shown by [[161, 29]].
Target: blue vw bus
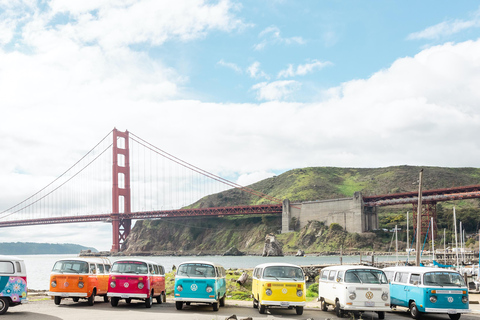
[[428, 290], [200, 282]]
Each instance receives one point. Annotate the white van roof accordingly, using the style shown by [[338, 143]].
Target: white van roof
[[138, 260], [349, 267], [276, 264], [5, 257], [202, 262], [417, 269]]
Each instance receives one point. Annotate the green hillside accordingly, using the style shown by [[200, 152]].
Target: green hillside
[[307, 184], [27, 248]]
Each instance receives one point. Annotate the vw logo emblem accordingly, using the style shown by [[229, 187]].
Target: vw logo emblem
[[284, 290], [450, 299], [125, 284], [369, 295], [66, 284], [194, 287]]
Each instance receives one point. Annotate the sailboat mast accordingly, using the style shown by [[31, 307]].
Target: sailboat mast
[[456, 241]]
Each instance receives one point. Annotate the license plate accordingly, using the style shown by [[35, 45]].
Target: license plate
[[124, 296], [369, 304], [284, 303], [64, 294], [451, 311]]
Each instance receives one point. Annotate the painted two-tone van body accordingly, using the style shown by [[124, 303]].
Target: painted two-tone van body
[[137, 279], [200, 282], [352, 288], [13, 282], [79, 278], [278, 285], [428, 290]]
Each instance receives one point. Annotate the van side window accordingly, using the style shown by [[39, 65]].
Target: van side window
[[100, 268], [155, 267], [19, 267], [162, 270], [401, 277], [150, 268], [92, 268], [389, 275], [415, 279], [324, 275], [6, 267], [340, 275], [107, 268], [331, 275]]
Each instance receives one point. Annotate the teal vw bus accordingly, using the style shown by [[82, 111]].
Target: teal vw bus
[[200, 282], [428, 290]]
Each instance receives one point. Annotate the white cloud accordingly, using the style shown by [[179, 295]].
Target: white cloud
[[277, 90], [250, 178], [255, 72], [444, 28], [230, 65], [302, 69], [271, 35]]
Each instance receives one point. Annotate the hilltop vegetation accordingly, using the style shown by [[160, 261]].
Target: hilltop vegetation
[[216, 235], [27, 248]]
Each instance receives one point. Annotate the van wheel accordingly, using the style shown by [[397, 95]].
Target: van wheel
[[261, 308], [149, 301], [455, 316], [222, 302], [414, 311], [179, 305], [75, 299], [323, 305], [215, 306], [105, 298], [57, 300], [338, 311], [91, 299], [381, 315], [299, 310], [4, 305], [128, 300], [160, 298], [255, 303], [114, 301]]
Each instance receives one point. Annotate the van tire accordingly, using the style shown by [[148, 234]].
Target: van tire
[[128, 300], [455, 316], [91, 299], [160, 298], [106, 299], [299, 310], [215, 306], [323, 305], [179, 305], [57, 300], [4, 304], [114, 301], [381, 315], [261, 308], [149, 301], [75, 299], [255, 303], [338, 310], [222, 301], [414, 313]]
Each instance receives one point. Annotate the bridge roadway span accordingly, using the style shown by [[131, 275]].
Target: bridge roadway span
[[211, 212]]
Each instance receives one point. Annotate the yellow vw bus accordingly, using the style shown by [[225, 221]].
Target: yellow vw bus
[[278, 285]]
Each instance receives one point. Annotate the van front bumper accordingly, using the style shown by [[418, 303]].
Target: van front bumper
[[201, 300], [127, 295], [446, 310], [67, 294], [283, 303], [366, 309]]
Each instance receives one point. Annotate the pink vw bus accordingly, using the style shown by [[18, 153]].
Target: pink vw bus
[[136, 279]]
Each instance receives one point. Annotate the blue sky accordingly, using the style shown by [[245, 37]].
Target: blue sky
[[243, 89]]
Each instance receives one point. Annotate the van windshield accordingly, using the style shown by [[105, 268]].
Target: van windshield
[[136, 267], [443, 279], [365, 276], [71, 266], [283, 272], [196, 270]]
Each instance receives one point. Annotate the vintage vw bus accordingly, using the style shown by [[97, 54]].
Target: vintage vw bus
[[429, 290], [79, 278], [200, 282], [278, 285], [13, 282], [350, 288], [137, 279]]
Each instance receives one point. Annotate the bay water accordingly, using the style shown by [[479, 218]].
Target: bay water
[[39, 266]]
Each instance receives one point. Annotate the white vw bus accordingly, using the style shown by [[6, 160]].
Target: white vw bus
[[351, 288]]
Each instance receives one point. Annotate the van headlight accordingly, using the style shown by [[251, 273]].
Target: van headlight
[[140, 285], [80, 284], [433, 299], [385, 296], [54, 284], [113, 284], [352, 295], [209, 289], [464, 299], [268, 292], [179, 288], [299, 293]]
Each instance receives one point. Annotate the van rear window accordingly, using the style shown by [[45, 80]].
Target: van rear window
[[6, 267]]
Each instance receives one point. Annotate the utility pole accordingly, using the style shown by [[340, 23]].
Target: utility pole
[[419, 219]]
